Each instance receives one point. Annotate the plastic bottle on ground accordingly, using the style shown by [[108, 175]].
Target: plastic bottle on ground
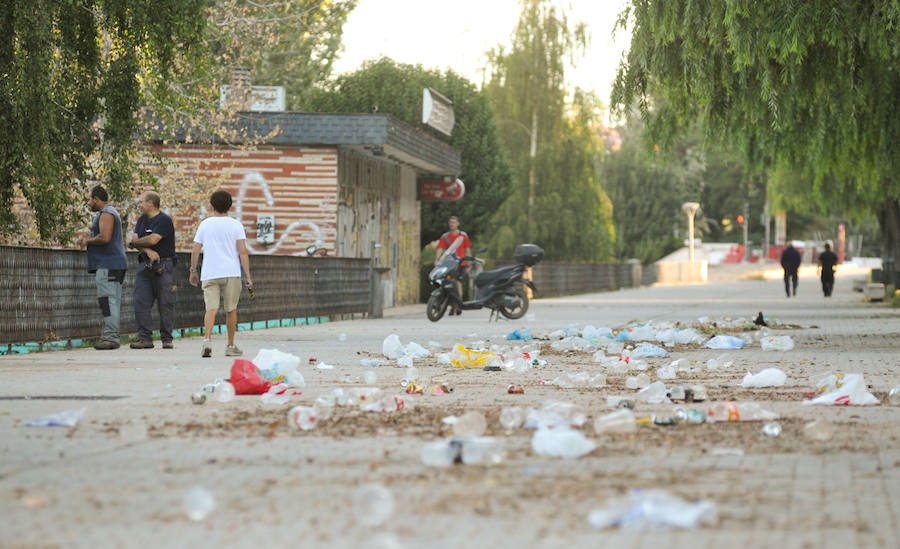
[[373, 505], [618, 422], [512, 417], [894, 395], [654, 393], [303, 418], [637, 382], [744, 411], [564, 443], [470, 424], [224, 392]]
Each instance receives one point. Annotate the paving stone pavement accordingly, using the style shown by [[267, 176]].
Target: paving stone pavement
[[119, 477]]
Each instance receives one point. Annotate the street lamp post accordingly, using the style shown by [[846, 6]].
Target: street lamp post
[[690, 208]]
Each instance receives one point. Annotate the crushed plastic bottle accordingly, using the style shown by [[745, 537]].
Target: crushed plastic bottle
[[373, 504], [198, 503], [654, 393], [518, 365], [894, 395], [637, 382], [618, 422], [771, 429], [482, 450], [744, 411], [276, 395], [224, 392], [512, 417], [303, 418], [819, 430], [470, 424], [561, 442]]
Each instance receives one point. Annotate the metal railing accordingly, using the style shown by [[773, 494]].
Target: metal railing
[[48, 295]]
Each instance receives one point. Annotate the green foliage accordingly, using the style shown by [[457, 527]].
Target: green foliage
[[807, 90], [557, 201], [396, 89], [70, 93]]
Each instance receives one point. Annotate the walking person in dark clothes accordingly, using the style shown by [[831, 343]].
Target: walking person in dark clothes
[[154, 236], [106, 258], [790, 262], [827, 262]]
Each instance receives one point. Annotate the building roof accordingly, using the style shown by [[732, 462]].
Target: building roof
[[379, 134]]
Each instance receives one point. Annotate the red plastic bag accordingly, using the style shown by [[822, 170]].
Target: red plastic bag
[[246, 379]]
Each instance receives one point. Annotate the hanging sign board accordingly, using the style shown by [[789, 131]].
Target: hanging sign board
[[432, 190], [437, 111]]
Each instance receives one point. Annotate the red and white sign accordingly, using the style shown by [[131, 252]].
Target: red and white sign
[[438, 189]]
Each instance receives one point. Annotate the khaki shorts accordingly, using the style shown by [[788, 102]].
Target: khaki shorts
[[230, 288]]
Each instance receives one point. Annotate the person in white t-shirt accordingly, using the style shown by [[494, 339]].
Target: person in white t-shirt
[[223, 242]]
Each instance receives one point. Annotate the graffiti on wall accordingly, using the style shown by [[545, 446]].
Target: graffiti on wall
[[255, 179]]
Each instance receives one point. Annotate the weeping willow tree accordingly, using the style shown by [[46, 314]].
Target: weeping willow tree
[[808, 90], [556, 199]]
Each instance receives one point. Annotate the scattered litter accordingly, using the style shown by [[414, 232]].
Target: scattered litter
[[246, 379], [595, 334], [744, 411], [777, 343], [666, 372], [469, 450], [324, 366], [373, 504], [224, 392], [851, 392], [618, 422], [725, 342], [819, 430], [649, 509], [649, 350], [637, 382], [372, 362], [581, 379], [561, 442], [67, 418], [771, 429], [894, 395], [391, 347], [278, 367], [770, 377], [198, 398], [470, 424], [619, 402], [303, 418], [520, 335], [468, 358], [198, 503], [512, 417], [654, 393]]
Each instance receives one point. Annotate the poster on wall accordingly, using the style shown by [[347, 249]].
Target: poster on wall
[[265, 229], [781, 228]]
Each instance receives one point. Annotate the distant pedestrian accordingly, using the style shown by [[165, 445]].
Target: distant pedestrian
[[790, 262], [154, 236], [106, 258], [827, 262], [223, 242]]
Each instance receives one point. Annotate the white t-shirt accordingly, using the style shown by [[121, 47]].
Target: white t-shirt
[[219, 236]]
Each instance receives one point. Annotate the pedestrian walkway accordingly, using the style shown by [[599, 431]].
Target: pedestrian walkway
[[119, 477]]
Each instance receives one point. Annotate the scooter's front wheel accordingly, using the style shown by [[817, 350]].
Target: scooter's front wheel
[[437, 306], [519, 310]]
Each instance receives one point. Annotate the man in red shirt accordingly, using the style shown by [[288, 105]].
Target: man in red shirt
[[445, 241]]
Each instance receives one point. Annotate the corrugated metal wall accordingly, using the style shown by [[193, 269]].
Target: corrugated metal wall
[[48, 294]]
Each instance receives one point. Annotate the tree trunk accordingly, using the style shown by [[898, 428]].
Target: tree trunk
[[889, 220]]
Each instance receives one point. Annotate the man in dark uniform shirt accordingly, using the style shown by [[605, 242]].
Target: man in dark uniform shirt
[[827, 262], [154, 235], [790, 262]]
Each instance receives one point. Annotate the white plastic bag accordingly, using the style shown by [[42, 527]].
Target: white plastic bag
[[851, 392], [561, 442], [391, 347], [777, 343], [770, 377], [725, 342], [649, 350]]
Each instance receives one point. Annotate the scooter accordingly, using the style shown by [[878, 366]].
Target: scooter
[[501, 290]]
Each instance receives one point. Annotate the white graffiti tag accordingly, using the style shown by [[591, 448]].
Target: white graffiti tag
[[256, 179]]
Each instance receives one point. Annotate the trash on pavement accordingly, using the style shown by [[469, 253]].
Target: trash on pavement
[[515, 390], [470, 424], [198, 398], [561, 442], [819, 430], [637, 382], [619, 402], [303, 418], [618, 422], [373, 505], [224, 392], [391, 347], [777, 343], [894, 395], [521, 334], [725, 342], [770, 377], [67, 418], [771, 429], [654, 393], [278, 367], [198, 503], [666, 372], [649, 350], [467, 450], [462, 357], [651, 509], [246, 379], [852, 391], [512, 417], [372, 362], [743, 411]]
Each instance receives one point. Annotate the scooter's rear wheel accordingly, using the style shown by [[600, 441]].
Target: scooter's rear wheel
[[437, 306], [519, 310]]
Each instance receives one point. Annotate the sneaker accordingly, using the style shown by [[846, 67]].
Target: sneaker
[[168, 345], [106, 345], [207, 349], [142, 345], [231, 350]]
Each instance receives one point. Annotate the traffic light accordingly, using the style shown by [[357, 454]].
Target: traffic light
[[740, 219]]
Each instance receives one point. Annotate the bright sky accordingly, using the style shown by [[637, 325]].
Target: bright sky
[[441, 34]]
